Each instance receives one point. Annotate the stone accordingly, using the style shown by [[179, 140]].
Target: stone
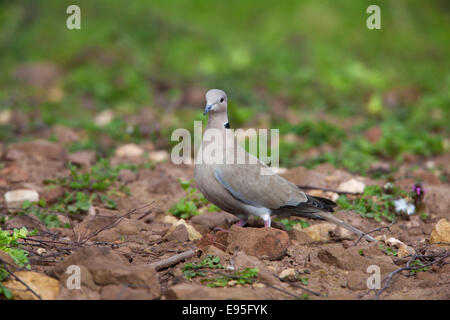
[[179, 233], [260, 242], [129, 229], [15, 198], [221, 239], [319, 232], [103, 267], [188, 291], [5, 116], [243, 261], [404, 251], [47, 288], [352, 185], [159, 228], [158, 156], [104, 118], [38, 150], [15, 173], [83, 158], [393, 242], [218, 240], [216, 252], [299, 234], [357, 280], [168, 219], [131, 226], [211, 220], [441, 232], [192, 233], [286, 273], [29, 221], [130, 150]]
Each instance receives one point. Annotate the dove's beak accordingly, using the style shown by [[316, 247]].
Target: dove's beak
[[208, 108]]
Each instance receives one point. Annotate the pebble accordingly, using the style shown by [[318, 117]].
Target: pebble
[[286, 273], [104, 118], [158, 156], [352, 185], [15, 198], [129, 150]]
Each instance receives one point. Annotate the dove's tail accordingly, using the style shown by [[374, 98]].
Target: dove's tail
[[320, 208], [329, 217]]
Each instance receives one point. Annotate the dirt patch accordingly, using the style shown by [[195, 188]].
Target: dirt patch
[[113, 247]]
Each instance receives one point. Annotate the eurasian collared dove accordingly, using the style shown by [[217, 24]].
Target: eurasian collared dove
[[240, 187]]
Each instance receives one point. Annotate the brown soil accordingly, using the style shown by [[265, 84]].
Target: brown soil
[[115, 261]]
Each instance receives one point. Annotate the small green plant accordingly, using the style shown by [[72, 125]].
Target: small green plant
[[241, 277], [376, 202], [39, 210], [424, 216], [420, 267], [290, 223], [84, 189], [192, 270], [304, 281], [99, 178], [10, 245], [389, 251], [201, 269], [98, 184], [188, 206]]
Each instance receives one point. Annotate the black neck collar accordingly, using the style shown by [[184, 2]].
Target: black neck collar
[[227, 125]]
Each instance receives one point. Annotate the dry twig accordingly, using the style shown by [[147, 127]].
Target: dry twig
[[173, 260], [110, 225], [372, 231], [408, 266], [18, 279]]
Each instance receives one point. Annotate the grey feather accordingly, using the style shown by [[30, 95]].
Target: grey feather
[[242, 190], [236, 194]]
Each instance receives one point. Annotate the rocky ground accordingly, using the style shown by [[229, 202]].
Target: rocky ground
[[118, 249]]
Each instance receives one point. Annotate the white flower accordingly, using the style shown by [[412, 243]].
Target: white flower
[[402, 206]]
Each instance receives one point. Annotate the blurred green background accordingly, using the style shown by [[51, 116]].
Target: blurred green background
[[339, 92]]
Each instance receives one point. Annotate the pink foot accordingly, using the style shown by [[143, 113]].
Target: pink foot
[[267, 222], [241, 223]]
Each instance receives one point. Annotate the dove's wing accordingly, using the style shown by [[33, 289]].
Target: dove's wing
[[249, 184]]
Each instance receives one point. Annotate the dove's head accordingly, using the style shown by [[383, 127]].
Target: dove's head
[[216, 101]]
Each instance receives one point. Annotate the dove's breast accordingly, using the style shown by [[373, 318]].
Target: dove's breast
[[215, 192]]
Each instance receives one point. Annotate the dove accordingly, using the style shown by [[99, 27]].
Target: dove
[[238, 182]]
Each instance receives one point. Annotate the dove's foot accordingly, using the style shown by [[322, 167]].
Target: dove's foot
[[267, 221], [241, 223]]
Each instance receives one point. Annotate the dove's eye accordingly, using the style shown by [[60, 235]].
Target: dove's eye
[[221, 100]]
